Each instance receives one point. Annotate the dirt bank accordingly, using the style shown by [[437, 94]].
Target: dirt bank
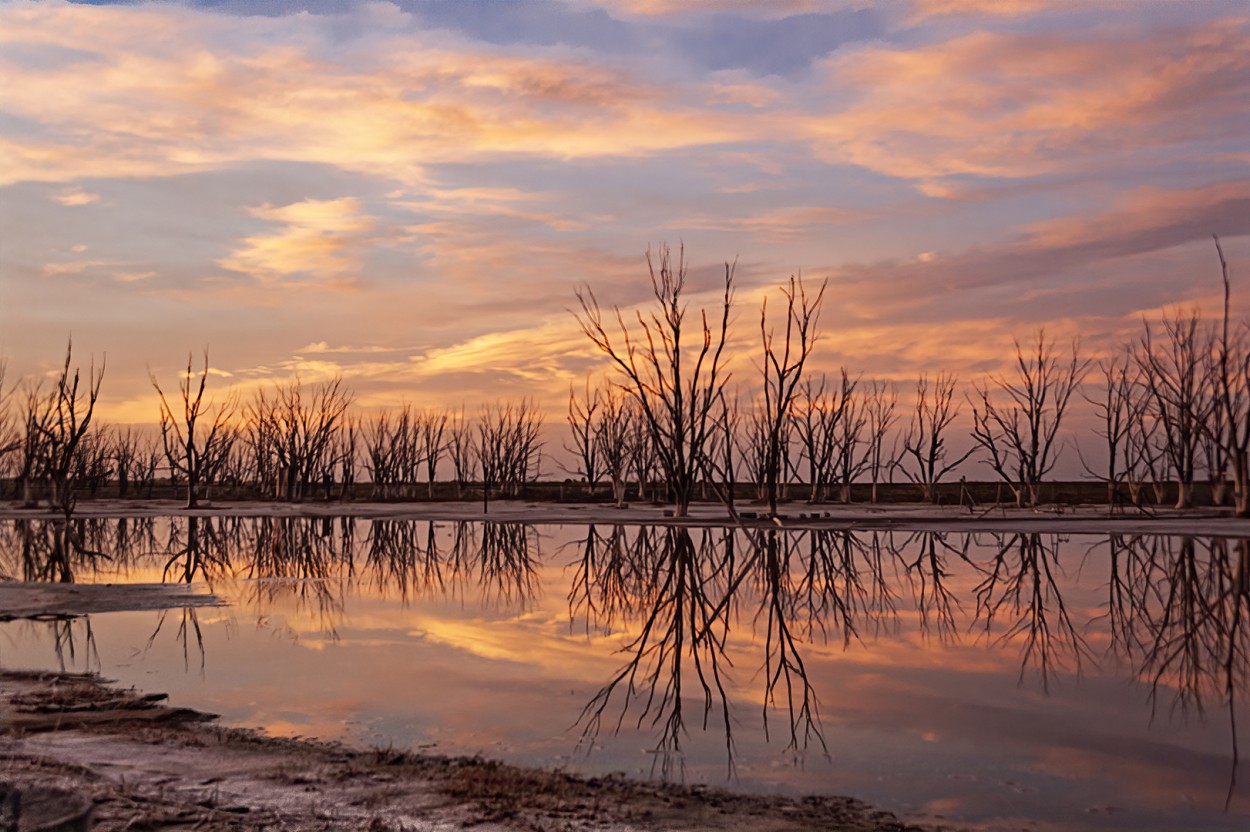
[[148, 765]]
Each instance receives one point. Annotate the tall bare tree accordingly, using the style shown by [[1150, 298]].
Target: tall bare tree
[[676, 387], [782, 366], [197, 442], [1232, 386], [1020, 430], [1176, 375]]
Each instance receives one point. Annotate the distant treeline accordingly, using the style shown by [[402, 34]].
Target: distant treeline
[[1172, 408]]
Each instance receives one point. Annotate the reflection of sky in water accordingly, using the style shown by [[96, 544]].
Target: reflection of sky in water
[[472, 652]]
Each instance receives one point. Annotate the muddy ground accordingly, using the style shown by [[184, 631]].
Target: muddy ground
[[146, 764]]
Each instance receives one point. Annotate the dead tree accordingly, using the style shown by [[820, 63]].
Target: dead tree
[[1117, 409], [612, 436], [508, 450], [583, 420], [294, 428], [1232, 384], [676, 388], [816, 415], [197, 443], [847, 432], [461, 451], [125, 451], [1175, 374], [925, 440], [433, 424], [1020, 434], [879, 411], [10, 435], [723, 460], [782, 367], [66, 419]]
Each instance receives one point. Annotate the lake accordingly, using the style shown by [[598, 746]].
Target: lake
[[990, 679]]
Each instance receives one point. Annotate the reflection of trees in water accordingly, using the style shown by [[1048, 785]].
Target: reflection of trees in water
[[1020, 595], [300, 559], [1173, 608], [1177, 608], [50, 550], [678, 603]]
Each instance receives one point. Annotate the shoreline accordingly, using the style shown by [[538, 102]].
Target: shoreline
[[145, 764], [1082, 519]]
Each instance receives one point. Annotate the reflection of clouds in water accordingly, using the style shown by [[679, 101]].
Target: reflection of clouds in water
[[350, 611]]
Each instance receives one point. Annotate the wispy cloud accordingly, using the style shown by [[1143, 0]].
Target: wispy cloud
[[1012, 105], [321, 239]]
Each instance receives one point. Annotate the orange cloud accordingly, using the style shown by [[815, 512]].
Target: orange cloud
[[176, 90], [1016, 105], [321, 238]]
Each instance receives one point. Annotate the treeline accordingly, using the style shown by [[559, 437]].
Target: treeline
[[1172, 409]]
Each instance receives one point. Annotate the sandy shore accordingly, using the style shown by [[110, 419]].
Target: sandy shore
[[899, 516], [148, 765]]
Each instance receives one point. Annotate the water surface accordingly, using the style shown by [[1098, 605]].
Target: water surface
[[1067, 682]]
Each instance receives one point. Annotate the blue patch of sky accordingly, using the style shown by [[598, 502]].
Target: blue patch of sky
[[783, 46]]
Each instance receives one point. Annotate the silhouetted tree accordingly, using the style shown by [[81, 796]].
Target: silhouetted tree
[[782, 366], [197, 442], [1176, 375], [1020, 435], [676, 388], [925, 440]]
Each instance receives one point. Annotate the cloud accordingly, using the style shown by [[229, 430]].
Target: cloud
[[322, 238], [1040, 264], [177, 90], [75, 197], [1018, 104]]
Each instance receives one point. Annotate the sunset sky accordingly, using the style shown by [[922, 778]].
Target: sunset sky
[[408, 193]]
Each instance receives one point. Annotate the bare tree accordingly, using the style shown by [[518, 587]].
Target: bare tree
[[676, 389], [10, 434], [1175, 374], [65, 421], [125, 450], [293, 429], [782, 366], [1020, 435], [612, 433], [879, 410], [925, 440], [508, 450], [1117, 409], [461, 450], [584, 426], [721, 455], [848, 430], [197, 443], [1232, 382], [433, 424], [816, 414]]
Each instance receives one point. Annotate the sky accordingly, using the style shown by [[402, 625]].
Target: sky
[[408, 193]]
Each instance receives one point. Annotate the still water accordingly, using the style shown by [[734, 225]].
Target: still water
[[994, 680]]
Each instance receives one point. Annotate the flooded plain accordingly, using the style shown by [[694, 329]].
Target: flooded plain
[[1035, 680]]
